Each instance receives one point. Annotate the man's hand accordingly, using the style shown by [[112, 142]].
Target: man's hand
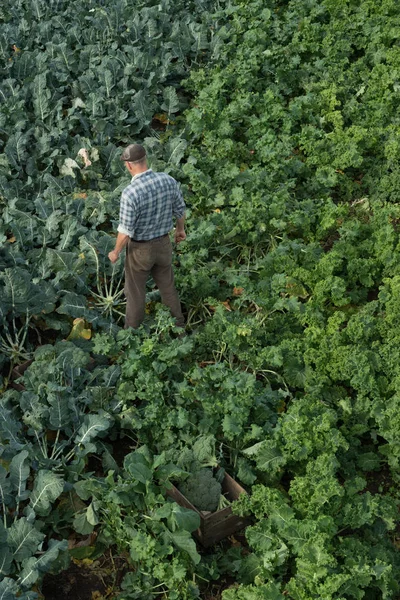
[[180, 235], [113, 256], [122, 240]]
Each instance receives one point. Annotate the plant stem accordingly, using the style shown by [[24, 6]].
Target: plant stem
[[55, 444]]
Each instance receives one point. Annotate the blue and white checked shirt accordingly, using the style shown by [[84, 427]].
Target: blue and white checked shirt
[[148, 205]]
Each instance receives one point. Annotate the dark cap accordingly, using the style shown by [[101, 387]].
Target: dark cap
[[133, 153]]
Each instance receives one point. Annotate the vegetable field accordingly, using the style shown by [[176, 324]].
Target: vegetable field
[[280, 118]]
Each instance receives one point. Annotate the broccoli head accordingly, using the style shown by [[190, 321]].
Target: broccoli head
[[202, 490]]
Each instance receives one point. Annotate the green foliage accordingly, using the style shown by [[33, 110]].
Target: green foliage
[[21, 536], [46, 437], [325, 562], [284, 136], [60, 177], [154, 533]]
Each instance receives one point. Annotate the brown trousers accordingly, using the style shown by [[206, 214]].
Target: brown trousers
[[143, 258]]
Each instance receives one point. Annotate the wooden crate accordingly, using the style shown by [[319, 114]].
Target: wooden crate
[[219, 524], [17, 372]]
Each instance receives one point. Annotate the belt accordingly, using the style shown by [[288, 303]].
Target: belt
[[150, 240]]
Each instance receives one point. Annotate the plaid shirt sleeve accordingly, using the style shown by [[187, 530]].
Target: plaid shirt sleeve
[[127, 216], [178, 204]]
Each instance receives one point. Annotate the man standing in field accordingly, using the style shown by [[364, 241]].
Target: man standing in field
[[148, 205]]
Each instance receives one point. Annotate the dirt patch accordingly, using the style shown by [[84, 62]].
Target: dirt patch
[[86, 580], [379, 482]]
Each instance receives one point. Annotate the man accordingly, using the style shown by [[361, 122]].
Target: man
[[148, 205]]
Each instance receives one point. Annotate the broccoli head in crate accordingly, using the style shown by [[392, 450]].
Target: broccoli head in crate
[[202, 490]]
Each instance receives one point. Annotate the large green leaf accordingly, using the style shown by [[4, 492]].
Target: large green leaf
[[267, 455], [74, 305], [41, 96], [8, 589], [369, 461], [142, 109], [175, 149], [17, 290], [92, 425], [5, 488], [19, 473], [24, 539], [29, 573], [184, 541], [59, 414], [16, 149], [47, 488], [185, 518], [6, 559], [33, 566], [10, 428], [72, 229], [47, 558], [64, 264], [81, 524], [21, 297], [138, 466], [35, 411], [171, 101]]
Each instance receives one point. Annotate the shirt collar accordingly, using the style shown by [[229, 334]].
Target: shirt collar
[[140, 174]]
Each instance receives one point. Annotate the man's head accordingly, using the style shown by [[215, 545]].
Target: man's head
[[135, 159]]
